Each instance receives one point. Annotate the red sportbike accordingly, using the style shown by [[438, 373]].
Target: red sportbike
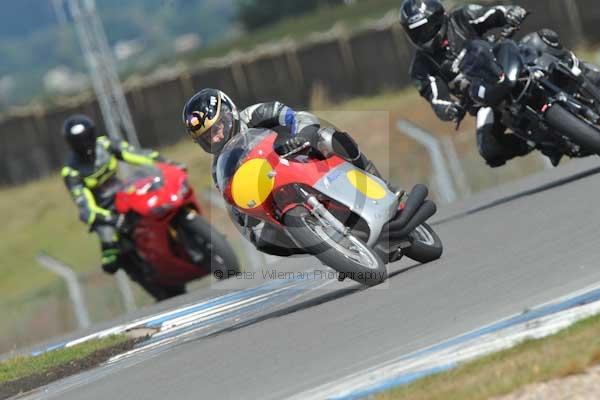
[[347, 218], [165, 241]]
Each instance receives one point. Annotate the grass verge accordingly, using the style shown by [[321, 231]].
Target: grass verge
[[24, 373], [567, 353]]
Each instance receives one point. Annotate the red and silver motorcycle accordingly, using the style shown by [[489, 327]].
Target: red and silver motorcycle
[[345, 217]]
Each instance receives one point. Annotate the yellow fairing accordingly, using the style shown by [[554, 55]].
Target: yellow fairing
[[252, 183], [366, 185]]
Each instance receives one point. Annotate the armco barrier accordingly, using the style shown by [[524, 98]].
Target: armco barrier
[[364, 62], [329, 63], [589, 13], [382, 59]]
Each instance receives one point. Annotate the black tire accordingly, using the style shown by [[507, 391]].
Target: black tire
[[579, 131], [209, 241], [426, 245], [158, 292], [328, 246], [161, 293]]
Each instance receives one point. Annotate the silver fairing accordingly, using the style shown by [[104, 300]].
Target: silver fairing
[[376, 213]]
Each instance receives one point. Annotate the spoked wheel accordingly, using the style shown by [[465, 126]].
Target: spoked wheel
[[426, 245], [345, 253]]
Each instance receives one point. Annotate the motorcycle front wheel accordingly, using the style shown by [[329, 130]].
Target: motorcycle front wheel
[[577, 130], [346, 254]]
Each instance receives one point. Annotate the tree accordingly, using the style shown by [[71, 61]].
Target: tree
[[254, 14]]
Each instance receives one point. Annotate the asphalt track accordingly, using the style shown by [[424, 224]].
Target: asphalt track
[[504, 254]]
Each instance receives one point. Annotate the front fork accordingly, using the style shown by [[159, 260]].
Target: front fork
[[570, 103], [318, 210], [180, 234]]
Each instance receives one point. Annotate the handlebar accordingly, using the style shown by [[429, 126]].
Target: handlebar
[[297, 150]]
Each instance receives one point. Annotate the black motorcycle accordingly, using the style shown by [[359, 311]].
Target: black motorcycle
[[544, 99]]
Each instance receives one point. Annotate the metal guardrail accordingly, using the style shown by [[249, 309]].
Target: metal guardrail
[[456, 167], [441, 175], [125, 288], [73, 286], [75, 291]]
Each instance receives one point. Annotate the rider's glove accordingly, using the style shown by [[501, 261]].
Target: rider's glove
[[450, 112], [515, 15]]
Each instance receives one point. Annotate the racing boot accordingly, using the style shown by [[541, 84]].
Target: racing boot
[[110, 260]]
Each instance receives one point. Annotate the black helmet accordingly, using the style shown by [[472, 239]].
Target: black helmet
[[425, 23], [211, 119], [80, 134]]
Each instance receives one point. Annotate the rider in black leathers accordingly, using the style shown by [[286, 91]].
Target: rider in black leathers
[[439, 38], [212, 119]]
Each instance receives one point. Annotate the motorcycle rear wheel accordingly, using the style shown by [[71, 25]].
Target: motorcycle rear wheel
[[426, 245], [223, 262], [346, 254], [157, 291]]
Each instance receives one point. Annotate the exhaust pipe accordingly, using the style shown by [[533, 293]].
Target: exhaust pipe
[[415, 200], [426, 211]]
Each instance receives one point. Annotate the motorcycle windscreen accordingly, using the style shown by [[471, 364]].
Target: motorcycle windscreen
[[479, 63], [143, 180], [510, 60], [234, 153]]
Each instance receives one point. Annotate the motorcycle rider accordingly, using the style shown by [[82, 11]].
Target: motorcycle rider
[[212, 119], [90, 176], [439, 38]]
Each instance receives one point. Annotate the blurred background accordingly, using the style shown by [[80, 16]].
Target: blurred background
[[342, 59]]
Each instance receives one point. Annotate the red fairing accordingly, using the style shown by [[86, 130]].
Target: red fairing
[[306, 173], [157, 200], [141, 198]]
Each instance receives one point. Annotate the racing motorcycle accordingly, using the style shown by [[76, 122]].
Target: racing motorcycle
[[542, 97], [350, 220], [165, 241]]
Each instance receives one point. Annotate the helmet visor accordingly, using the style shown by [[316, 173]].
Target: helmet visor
[[218, 134], [82, 139], [425, 30]]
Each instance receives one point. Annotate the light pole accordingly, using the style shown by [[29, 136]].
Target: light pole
[[99, 60]]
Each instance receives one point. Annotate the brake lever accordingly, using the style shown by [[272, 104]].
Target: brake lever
[[297, 150]]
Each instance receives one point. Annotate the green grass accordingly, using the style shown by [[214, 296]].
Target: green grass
[[567, 353], [24, 366]]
